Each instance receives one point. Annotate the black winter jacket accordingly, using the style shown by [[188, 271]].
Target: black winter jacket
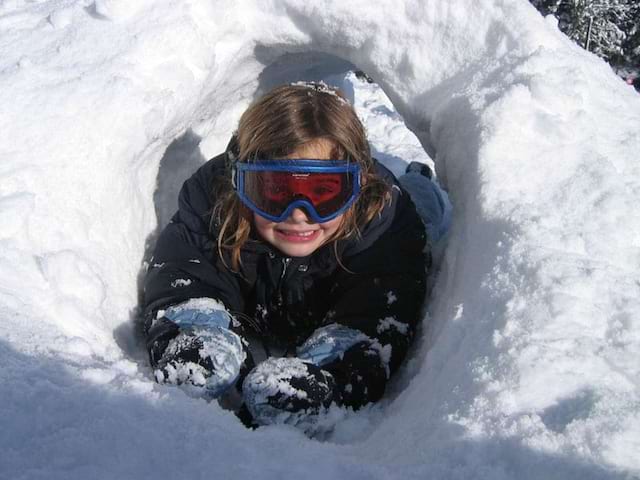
[[283, 300]]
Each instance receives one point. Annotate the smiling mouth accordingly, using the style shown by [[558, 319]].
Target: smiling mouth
[[295, 233], [295, 236]]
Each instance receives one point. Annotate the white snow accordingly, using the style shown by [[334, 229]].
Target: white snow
[[390, 322], [271, 379], [181, 282], [528, 365], [391, 297], [203, 304]]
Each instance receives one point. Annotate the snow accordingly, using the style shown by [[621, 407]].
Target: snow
[[270, 379], [391, 297], [528, 362], [204, 305], [180, 282], [390, 322]]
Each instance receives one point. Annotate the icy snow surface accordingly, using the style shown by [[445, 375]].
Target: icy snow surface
[[529, 363]]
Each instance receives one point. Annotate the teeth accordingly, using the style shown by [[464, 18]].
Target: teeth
[[299, 234]]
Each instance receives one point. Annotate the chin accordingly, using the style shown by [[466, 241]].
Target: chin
[[298, 250]]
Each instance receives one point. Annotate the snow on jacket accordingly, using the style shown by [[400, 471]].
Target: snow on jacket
[[285, 300]]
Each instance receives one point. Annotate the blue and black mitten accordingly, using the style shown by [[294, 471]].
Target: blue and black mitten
[[192, 344], [358, 363], [289, 391], [336, 364]]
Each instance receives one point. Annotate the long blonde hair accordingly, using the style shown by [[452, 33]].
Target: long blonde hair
[[276, 125]]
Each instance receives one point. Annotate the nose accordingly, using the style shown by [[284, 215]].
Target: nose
[[298, 215]]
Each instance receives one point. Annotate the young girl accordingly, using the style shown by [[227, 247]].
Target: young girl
[[293, 274]]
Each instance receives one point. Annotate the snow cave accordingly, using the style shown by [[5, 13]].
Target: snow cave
[[526, 366]]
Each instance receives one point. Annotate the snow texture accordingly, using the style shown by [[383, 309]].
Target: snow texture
[[388, 323], [269, 379], [527, 366], [391, 297]]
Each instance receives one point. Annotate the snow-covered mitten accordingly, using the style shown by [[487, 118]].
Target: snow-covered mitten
[[361, 374], [199, 349], [355, 360], [288, 391], [209, 359]]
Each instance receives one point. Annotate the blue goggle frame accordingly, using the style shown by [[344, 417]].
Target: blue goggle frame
[[301, 165]]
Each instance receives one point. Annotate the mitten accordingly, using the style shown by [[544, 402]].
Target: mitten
[[358, 363], [199, 349]]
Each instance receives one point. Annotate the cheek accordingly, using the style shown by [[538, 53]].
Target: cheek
[[263, 226], [331, 226]]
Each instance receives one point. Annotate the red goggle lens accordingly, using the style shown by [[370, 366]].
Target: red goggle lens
[[274, 191]]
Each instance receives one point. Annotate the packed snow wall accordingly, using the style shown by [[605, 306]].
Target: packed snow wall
[[528, 363]]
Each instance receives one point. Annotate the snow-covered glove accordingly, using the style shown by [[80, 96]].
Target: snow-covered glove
[[205, 353], [361, 374], [290, 391], [359, 364]]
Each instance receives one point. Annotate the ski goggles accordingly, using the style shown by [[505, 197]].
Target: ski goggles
[[274, 188]]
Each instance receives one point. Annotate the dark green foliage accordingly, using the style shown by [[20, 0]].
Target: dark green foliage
[[609, 28]]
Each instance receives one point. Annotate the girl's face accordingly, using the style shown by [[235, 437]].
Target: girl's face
[[298, 236]]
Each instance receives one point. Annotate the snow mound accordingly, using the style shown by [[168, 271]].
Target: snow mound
[[528, 365]]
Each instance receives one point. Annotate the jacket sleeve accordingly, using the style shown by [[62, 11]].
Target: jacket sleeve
[[185, 263], [372, 322], [383, 296]]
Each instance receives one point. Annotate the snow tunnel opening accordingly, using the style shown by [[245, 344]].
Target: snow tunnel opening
[[388, 132], [392, 142]]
